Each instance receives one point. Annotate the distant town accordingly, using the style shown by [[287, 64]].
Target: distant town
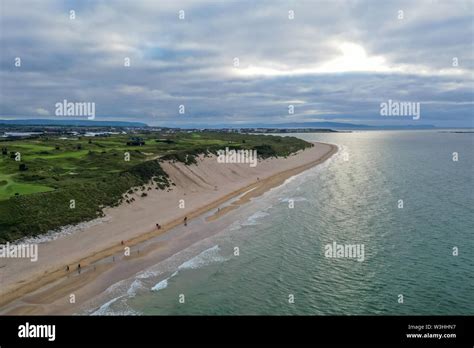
[[13, 131]]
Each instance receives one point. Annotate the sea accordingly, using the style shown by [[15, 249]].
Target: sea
[[403, 198]]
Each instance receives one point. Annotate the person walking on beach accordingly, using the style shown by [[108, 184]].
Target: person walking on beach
[[79, 268], [185, 221], [67, 268]]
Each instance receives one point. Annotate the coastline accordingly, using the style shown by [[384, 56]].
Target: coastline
[[49, 285]]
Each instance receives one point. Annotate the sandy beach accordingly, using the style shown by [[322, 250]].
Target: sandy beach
[[45, 287]]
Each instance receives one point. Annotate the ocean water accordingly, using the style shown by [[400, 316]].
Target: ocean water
[[351, 199]]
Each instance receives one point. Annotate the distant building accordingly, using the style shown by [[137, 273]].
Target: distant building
[[135, 142]]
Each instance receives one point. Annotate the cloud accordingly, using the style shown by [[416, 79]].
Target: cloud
[[338, 59], [42, 112], [353, 58]]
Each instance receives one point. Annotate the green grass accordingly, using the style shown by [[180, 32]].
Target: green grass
[[9, 188], [96, 175], [34, 147], [75, 154]]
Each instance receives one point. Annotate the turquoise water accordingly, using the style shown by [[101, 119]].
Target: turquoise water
[[347, 200]]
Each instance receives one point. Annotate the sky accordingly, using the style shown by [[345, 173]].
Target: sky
[[239, 63]]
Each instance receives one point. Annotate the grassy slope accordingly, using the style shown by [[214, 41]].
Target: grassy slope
[[96, 174]]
